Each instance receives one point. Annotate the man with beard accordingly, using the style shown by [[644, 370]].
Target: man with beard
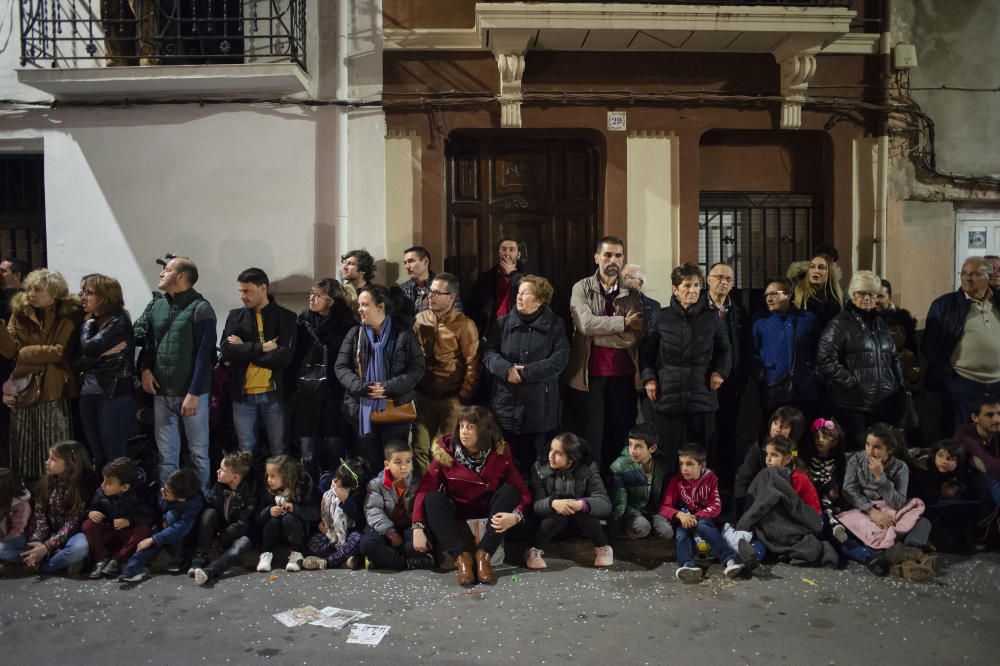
[[607, 324]]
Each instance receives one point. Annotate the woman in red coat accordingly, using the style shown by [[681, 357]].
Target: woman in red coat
[[472, 475]]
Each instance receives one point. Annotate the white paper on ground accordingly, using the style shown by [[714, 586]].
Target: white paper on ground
[[296, 617], [367, 634], [337, 618]]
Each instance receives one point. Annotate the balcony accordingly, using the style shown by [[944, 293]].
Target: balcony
[[163, 48]]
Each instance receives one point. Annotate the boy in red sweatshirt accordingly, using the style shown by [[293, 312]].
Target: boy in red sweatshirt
[[691, 502]]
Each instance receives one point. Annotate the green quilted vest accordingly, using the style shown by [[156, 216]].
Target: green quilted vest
[[174, 346]]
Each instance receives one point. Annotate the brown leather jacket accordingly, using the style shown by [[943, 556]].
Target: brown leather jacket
[[45, 345], [451, 349]]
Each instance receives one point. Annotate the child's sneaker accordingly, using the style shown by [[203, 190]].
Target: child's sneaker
[[264, 563], [201, 577], [313, 563], [98, 570], [688, 573], [603, 556], [112, 568], [294, 561], [197, 562], [840, 533], [533, 559], [353, 562], [176, 566], [747, 554], [734, 568]]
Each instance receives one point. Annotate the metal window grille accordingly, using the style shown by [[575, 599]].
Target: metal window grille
[[88, 33], [758, 234], [22, 208]]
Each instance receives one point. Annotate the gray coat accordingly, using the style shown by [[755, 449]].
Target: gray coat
[[780, 519], [861, 489], [577, 482], [381, 501]]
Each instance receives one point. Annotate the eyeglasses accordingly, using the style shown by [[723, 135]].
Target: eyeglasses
[[435, 294], [975, 274], [725, 279], [866, 294], [775, 294]]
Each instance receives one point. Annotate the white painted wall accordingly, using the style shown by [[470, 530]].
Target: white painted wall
[[285, 188], [229, 187]]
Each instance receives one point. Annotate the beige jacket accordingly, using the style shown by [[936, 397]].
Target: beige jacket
[[590, 328], [451, 350]]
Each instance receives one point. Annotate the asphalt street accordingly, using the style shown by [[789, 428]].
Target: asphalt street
[[634, 613]]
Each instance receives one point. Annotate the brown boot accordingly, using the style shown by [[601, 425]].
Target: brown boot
[[466, 572], [484, 569]]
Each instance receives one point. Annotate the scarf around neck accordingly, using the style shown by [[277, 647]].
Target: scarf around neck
[[374, 372]]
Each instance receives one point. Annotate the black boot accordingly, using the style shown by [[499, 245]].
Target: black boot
[[422, 561]]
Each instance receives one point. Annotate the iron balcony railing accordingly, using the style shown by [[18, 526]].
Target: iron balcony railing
[[87, 33]]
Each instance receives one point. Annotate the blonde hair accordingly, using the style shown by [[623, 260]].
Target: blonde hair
[[51, 281], [864, 281], [804, 290]]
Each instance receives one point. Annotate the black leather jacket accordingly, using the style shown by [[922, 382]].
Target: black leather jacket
[[113, 373], [858, 360]]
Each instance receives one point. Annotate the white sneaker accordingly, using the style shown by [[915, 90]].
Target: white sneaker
[[688, 573], [733, 568], [264, 563], [294, 561], [200, 577], [840, 533]]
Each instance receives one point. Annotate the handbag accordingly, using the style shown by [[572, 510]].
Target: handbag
[[910, 419], [395, 413], [313, 379], [23, 392]]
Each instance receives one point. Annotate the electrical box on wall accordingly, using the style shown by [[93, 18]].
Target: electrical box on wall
[[904, 56]]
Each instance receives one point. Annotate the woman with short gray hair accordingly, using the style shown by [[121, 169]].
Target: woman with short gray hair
[[860, 364]]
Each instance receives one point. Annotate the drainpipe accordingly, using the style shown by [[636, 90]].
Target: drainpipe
[[882, 203], [343, 156]]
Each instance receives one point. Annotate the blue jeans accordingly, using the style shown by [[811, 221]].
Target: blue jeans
[[75, 551], [142, 558], [107, 423], [270, 408], [995, 491], [167, 423], [707, 530]]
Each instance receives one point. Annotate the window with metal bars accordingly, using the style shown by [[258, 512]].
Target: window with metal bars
[[22, 208], [759, 234]]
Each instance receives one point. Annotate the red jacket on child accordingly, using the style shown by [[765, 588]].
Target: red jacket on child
[[804, 488], [700, 496]]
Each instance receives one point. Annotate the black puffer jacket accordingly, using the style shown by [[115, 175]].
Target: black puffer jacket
[[236, 508], [577, 482], [858, 360], [682, 352], [404, 371], [113, 373], [541, 346]]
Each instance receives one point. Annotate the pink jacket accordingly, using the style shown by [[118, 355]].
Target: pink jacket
[[872, 535]]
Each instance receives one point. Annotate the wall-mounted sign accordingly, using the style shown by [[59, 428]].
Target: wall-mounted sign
[[616, 121]]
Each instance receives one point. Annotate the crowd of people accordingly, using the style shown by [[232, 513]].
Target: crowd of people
[[400, 428]]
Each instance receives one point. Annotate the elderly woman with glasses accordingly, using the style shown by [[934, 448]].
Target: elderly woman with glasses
[[860, 363], [784, 348]]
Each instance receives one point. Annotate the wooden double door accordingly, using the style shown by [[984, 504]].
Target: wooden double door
[[544, 190]]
